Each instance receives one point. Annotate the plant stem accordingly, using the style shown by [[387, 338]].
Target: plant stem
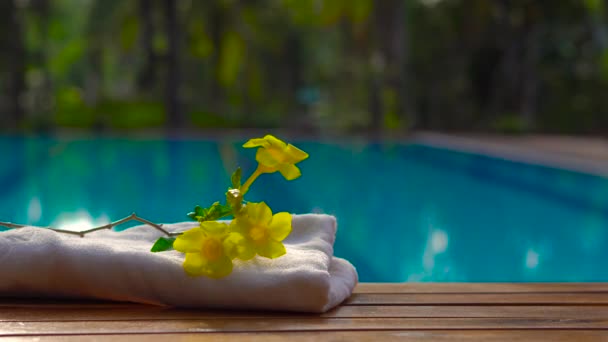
[[132, 217], [250, 180]]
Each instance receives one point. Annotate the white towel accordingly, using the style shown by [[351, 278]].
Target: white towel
[[119, 266]]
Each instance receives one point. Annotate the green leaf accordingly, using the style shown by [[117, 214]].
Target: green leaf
[[201, 45], [232, 56], [198, 212], [360, 10], [594, 5], [129, 32], [215, 212], [62, 63], [163, 244], [236, 179]]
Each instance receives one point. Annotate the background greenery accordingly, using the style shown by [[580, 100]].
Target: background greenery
[[342, 65]]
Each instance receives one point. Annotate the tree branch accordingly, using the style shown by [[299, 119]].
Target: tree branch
[[132, 217]]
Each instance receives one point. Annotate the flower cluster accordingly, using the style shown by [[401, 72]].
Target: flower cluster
[[211, 247]]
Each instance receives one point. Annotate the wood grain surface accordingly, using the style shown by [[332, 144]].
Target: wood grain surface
[[428, 312]]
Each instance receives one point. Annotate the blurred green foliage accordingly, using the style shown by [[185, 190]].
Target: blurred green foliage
[[510, 124], [348, 65]]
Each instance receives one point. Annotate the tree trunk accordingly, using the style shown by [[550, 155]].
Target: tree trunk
[[216, 19], [506, 47], [390, 29], [530, 79], [293, 63], [41, 93], [147, 75], [375, 104], [398, 79], [377, 60], [172, 102], [93, 82], [17, 66]]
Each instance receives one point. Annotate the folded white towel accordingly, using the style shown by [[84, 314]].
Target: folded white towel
[[119, 266]]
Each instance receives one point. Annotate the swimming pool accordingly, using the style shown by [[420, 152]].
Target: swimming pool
[[406, 212]]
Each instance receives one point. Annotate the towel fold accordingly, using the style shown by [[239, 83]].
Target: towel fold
[[119, 266]]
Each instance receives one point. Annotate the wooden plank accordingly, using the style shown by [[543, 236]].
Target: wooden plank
[[290, 324], [65, 303], [591, 298], [479, 287], [469, 311], [43, 314], [362, 288], [315, 336]]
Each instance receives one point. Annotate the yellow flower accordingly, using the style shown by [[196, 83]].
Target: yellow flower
[[275, 155], [261, 231], [206, 250]]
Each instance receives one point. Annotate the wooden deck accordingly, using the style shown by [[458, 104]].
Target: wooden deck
[[376, 312], [583, 154]]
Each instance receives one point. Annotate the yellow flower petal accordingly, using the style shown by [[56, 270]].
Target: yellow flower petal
[[194, 264], [213, 249], [280, 227], [272, 249], [190, 241], [289, 171], [295, 154], [265, 169], [268, 157], [239, 225], [214, 228], [258, 213], [236, 246], [256, 142], [275, 155], [219, 268], [275, 142]]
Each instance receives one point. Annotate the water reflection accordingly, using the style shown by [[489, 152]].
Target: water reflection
[[437, 243], [435, 262], [34, 211], [404, 211], [79, 221], [531, 259]]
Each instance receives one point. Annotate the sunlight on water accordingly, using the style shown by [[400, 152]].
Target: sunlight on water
[[405, 212], [531, 259], [436, 246], [34, 210], [439, 241], [79, 221]]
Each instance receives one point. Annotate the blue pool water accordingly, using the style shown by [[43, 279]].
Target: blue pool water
[[406, 212]]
